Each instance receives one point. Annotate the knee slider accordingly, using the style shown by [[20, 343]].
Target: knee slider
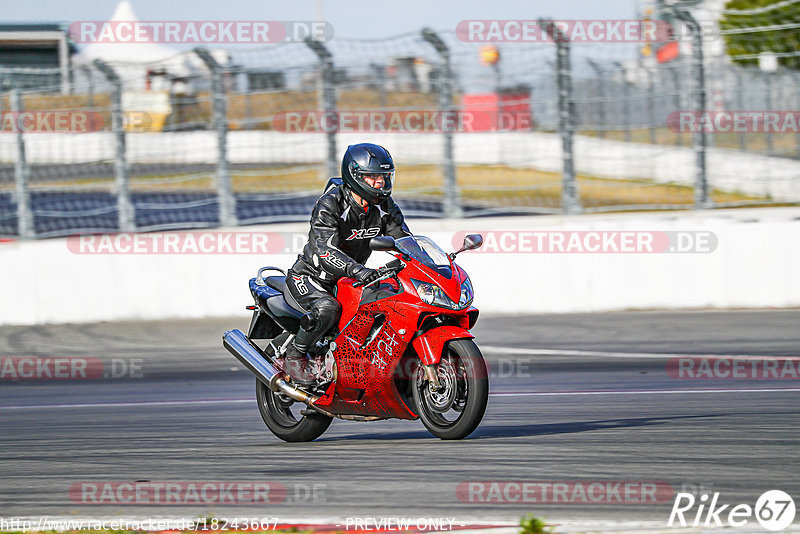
[[310, 321], [328, 311]]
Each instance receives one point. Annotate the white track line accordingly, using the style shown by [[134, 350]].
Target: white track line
[[511, 394], [493, 349], [638, 392], [123, 404]]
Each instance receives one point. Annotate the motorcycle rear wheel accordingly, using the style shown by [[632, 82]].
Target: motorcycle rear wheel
[[457, 410], [281, 413]]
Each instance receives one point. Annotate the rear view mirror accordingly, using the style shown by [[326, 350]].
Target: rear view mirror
[[471, 242], [381, 243]]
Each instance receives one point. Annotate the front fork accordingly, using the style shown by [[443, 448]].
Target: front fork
[[432, 376], [429, 347]]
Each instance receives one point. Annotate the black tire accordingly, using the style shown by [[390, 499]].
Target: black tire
[[463, 366], [279, 412]]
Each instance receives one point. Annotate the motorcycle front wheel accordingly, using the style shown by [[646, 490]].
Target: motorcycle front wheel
[[456, 409], [282, 413]]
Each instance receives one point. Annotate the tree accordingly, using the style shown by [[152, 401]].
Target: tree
[[752, 27]]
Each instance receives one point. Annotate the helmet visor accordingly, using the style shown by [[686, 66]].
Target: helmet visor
[[380, 182]]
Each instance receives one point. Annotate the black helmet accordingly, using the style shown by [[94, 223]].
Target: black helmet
[[366, 158]]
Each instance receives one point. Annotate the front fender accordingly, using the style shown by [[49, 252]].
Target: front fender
[[430, 344]]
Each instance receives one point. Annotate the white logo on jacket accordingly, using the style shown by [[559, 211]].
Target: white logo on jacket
[[364, 233]]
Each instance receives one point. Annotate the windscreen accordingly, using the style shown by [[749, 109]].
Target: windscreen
[[427, 252]]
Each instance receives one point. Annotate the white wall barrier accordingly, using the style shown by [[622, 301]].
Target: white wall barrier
[[734, 258]]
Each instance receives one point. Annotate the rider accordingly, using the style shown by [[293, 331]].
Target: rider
[[343, 221]]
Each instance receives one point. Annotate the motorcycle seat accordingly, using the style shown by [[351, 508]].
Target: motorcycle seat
[[288, 307], [281, 308], [276, 282]]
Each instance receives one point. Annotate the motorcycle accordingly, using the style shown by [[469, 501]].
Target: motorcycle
[[403, 347]]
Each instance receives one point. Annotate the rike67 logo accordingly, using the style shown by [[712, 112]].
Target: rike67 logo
[[774, 510]]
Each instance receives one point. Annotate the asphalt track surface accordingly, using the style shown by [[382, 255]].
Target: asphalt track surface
[[596, 415]]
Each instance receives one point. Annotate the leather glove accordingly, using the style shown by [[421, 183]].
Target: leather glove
[[365, 275]]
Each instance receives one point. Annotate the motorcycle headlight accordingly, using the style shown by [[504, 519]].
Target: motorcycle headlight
[[467, 294], [432, 294]]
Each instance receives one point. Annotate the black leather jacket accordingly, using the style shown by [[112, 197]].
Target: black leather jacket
[[338, 242]]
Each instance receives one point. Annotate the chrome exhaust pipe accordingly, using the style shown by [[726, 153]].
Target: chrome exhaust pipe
[[262, 365]]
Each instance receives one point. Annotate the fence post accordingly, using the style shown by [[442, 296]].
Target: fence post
[[601, 104], [248, 96], [700, 138], [626, 102], [570, 202], [740, 106], [328, 101], [25, 228], [87, 71], [796, 78], [125, 210], [225, 198], [651, 97], [444, 82], [768, 78], [378, 72], [676, 86]]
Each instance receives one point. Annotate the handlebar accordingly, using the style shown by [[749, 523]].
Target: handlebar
[[385, 272]]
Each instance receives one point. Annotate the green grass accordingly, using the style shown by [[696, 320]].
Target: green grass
[[530, 524]]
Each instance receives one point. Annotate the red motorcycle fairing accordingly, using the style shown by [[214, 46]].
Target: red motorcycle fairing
[[374, 335], [366, 364], [429, 345], [349, 297]]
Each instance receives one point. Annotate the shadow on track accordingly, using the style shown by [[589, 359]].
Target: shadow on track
[[513, 431]]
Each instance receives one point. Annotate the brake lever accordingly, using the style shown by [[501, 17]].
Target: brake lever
[[389, 270], [380, 279]]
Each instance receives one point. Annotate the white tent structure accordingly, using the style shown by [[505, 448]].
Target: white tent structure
[[127, 52], [132, 61]]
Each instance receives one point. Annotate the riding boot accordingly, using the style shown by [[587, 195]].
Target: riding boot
[[297, 366]]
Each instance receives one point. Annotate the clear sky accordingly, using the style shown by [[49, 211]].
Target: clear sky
[[350, 18]]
